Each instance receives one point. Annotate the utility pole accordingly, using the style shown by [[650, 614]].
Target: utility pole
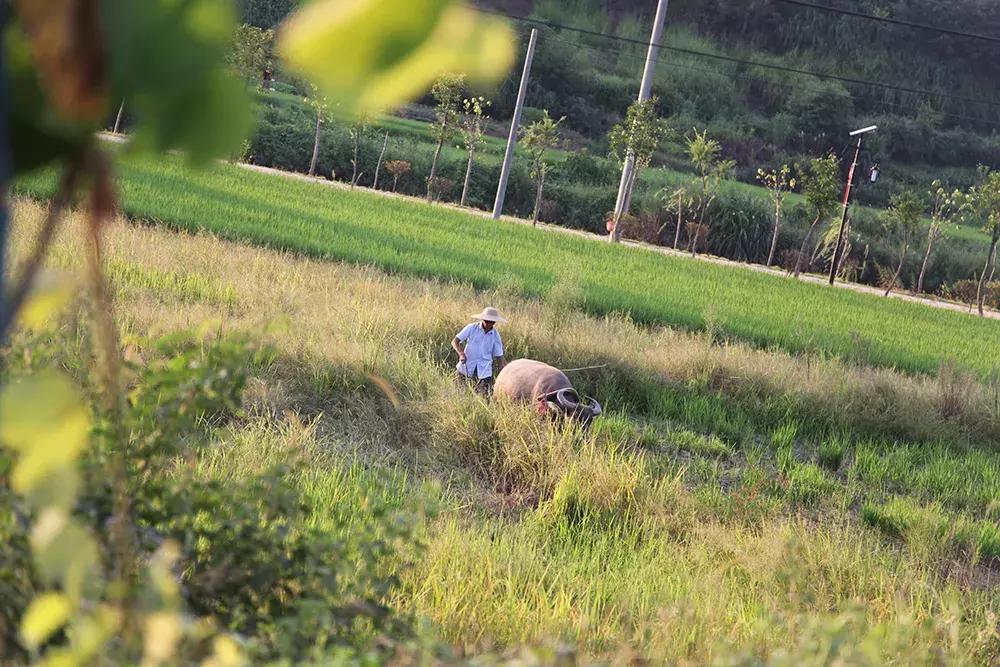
[[860, 134], [515, 123], [645, 91]]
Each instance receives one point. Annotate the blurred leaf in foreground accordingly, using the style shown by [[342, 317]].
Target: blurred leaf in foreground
[[372, 55]]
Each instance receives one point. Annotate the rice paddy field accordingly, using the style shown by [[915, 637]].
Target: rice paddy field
[[747, 499], [433, 242]]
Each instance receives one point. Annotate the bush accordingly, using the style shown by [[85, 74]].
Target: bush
[[965, 291], [253, 553], [741, 227], [644, 227]]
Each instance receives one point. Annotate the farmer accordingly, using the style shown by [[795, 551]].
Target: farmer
[[482, 345]]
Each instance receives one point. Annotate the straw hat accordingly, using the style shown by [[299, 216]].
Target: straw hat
[[490, 314]]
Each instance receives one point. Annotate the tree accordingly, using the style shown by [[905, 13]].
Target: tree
[[779, 183], [705, 154], [397, 168], [378, 165], [537, 138], [638, 136], [676, 201], [984, 200], [821, 186], [447, 93], [251, 52], [946, 208], [903, 221], [321, 106], [361, 121], [472, 129]]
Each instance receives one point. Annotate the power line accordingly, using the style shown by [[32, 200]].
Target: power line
[[752, 63], [892, 21], [781, 84]]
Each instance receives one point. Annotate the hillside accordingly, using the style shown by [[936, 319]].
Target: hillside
[[766, 115]]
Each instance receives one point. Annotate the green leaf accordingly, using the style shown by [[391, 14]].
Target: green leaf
[[50, 293], [225, 653], [43, 418], [375, 54], [55, 486], [64, 551], [167, 61], [162, 632], [47, 613]]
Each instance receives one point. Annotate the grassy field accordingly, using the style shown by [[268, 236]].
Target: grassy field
[[735, 505], [436, 242]]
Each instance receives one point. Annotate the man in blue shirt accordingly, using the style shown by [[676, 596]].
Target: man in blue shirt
[[482, 345]]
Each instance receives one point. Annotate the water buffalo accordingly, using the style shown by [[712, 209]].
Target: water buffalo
[[548, 387]]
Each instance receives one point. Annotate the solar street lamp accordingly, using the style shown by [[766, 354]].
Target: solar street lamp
[[860, 134]]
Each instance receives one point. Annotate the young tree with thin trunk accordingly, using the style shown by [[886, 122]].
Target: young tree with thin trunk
[[473, 130], [705, 154], [984, 200], [447, 93], [357, 133], [537, 138], [903, 221], [779, 183], [638, 135], [378, 165], [397, 168], [321, 106], [946, 208], [821, 186], [675, 202]]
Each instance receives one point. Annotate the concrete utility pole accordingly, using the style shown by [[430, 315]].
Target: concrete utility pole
[[645, 91], [860, 134], [515, 123]]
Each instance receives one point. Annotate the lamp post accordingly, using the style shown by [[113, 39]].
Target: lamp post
[[860, 134]]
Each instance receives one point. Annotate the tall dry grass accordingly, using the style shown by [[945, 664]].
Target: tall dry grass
[[640, 534]]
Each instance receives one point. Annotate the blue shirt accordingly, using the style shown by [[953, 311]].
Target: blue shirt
[[481, 347]]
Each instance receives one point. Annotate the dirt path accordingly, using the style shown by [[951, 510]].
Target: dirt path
[[812, 278]]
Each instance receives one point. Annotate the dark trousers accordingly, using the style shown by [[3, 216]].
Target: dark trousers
[[482, 386]]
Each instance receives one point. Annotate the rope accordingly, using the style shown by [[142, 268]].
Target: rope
[[585, 368]]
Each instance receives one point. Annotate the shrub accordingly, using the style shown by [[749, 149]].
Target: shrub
[[252, 553], [741, 227], [440, 187], [965, 291], [644, 227]]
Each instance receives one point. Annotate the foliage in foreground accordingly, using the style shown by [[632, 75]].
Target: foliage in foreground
[[246, 548]]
